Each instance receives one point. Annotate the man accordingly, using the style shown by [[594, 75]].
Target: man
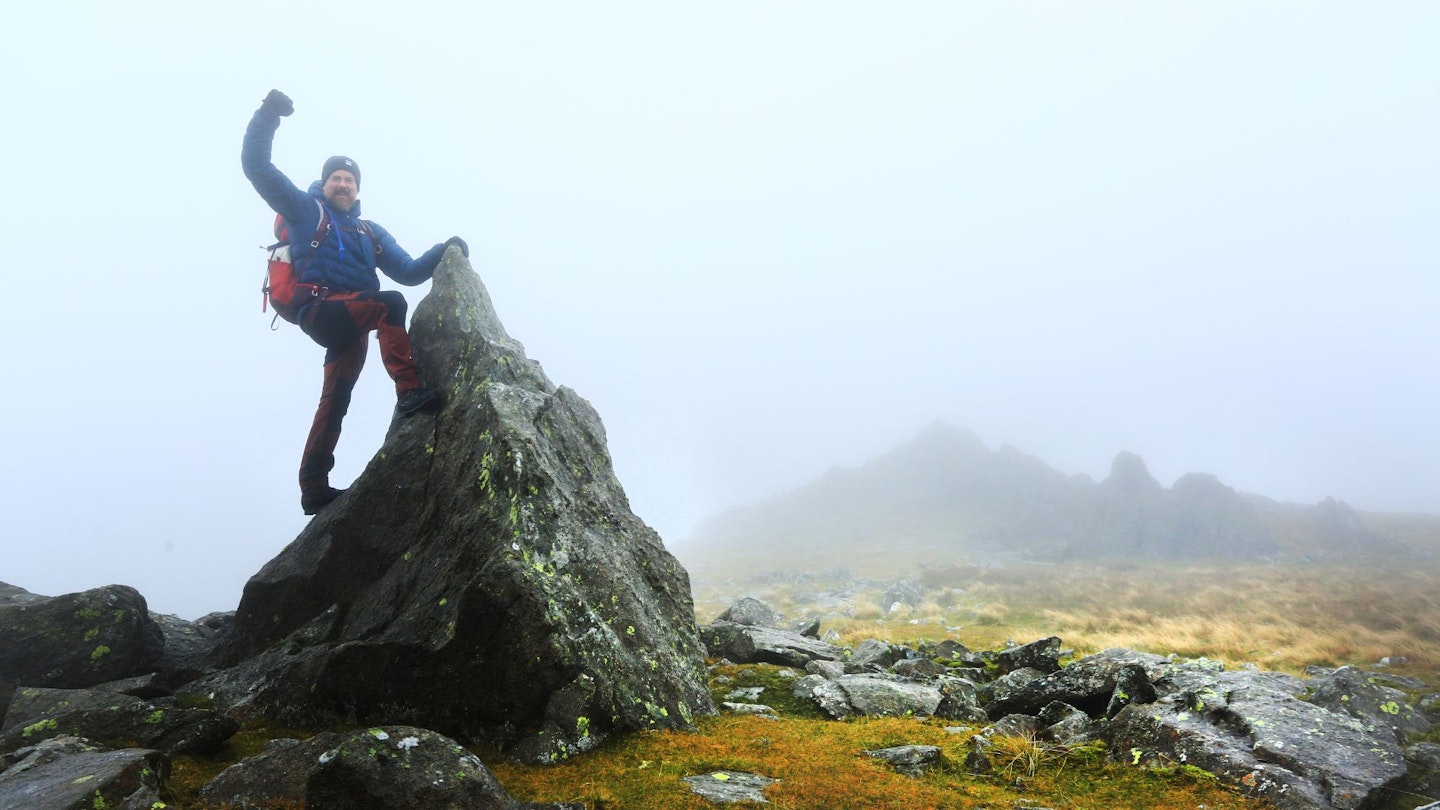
[[337, 253]]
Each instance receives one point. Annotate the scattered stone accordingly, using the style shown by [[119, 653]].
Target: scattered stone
[[910, 760], [754, 709], [730, 787]]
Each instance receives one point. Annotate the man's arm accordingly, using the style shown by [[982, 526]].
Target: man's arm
[[274, 187], [398, 265]]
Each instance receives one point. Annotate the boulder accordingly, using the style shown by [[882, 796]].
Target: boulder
[[484, 576], [67, 773], [750, 611], [112, 719], [1098, 685], [1043, 655], [78, 639], [1263, 741], [744, 644], [383, 768], [872, 652], [875, 695], [1358, 694]]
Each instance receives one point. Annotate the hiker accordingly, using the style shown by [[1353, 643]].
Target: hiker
[[336, 270]]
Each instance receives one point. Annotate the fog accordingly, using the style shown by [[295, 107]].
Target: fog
[[763, 239]]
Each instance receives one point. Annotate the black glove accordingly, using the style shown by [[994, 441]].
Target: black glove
[[277, 103], [464, 248]]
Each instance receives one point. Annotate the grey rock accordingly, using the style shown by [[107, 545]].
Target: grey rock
[[910, 760], [67, 773], [1043, 655], [750, 611], [1263, 741], [484, 576], [876, 695], [383, 768], [873, 652], [1424, 770], [1066, 725], [401, 767], [755, 709], [730, 787], [765, 645], [825, 693], [1358, 694], [15, 595], [188, 645], [1098, 685], [78, 639], [960, 700], [999, 691], [827, 669], [918, 668], [1014, 725], [903, 593], [112, 719]]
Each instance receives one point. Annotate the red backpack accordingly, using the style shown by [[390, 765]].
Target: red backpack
[[282, 288]]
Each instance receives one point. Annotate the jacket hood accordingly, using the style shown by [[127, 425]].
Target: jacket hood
[[317, 190]]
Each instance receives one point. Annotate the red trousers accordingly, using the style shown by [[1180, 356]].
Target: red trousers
[[342, 323]]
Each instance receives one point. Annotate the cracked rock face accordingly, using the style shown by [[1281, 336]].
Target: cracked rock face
[[484, 576]]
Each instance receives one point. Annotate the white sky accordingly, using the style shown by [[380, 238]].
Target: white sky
[[762, 238]]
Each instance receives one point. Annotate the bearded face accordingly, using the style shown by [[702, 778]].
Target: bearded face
[[341, 190]]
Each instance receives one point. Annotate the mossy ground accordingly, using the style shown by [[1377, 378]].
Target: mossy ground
[[821, 764]]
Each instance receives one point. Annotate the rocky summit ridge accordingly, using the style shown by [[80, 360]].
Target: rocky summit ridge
[[945, 490]]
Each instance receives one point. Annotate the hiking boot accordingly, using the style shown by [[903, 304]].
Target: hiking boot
[[313, 500], [418, 400]]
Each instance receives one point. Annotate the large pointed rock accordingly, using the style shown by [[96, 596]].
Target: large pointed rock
[[484, 576]]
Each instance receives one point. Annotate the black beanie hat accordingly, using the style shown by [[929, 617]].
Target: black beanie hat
[[337, 163]]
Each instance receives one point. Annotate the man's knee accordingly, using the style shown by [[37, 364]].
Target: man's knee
[[395, 306]]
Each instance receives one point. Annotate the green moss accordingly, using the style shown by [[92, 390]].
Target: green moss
[[92, 634], [156, 717], [99, 652]]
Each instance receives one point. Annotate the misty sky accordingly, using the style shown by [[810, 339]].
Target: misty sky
[[762, 238]]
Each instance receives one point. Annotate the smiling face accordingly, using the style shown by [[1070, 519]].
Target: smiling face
[[340, 190]]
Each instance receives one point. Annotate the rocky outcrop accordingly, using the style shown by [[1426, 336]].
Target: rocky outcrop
[[484, 576], [1012, 505]]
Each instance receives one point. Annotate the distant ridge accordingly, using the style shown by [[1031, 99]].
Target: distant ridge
[[946, 491]]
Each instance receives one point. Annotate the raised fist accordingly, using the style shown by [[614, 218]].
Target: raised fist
[[277, 103]]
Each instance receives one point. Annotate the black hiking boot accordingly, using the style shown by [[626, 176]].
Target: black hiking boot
[[418, 400], [313, 500]]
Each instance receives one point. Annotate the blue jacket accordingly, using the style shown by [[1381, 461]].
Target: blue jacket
[[346, 263]]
